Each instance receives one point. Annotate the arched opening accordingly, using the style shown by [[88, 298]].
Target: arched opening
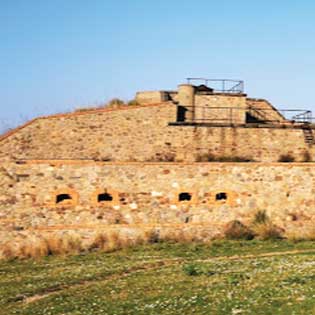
[[184, 196], [221, 196], [104, 197], [63, 197]]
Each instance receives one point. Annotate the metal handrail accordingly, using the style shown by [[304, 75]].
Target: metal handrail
[[227, 85], [266, 116]]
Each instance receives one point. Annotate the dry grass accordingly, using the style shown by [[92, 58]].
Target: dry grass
[[113, 103], [186, 236], [68, 243], [36, 246], [305, 234], [267, 231], [263, 228]]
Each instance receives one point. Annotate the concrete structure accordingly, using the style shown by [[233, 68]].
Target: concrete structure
[[196, 156]]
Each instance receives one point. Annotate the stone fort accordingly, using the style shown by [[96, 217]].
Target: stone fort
[[202, 155]]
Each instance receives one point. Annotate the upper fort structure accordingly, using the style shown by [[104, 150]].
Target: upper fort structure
[[196, 122], [204, 154]]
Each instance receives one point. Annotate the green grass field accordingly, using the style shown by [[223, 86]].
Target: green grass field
[[226, 277]]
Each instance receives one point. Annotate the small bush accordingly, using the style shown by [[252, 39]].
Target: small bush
[[263, 228], [305, 234], [179, 236], [267, 231], [87, 109], [133, 103], [152, 236], [100, 241], [115, 102], [191, 270], [236, 278], [287, 158], [234, 159], [208, 157], [198, 270], [260, 217], [236, 230]]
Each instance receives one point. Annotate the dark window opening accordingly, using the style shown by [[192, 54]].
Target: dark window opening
[[104, 197], [250, 119], [181, 113], [184, 196], [221, 196], [63, 197]]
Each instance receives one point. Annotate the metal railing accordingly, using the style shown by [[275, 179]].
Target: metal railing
[[220, 85], [278, 116], [235, 115]]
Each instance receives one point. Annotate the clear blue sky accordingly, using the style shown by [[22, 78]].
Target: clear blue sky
[[61, 54]]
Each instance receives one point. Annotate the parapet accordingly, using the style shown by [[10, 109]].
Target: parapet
[[152, 97]]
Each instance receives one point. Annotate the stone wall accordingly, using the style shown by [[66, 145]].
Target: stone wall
[[143, 133], [222, 108], [127, 134], [264, 110], [150, 193], [151, 97]]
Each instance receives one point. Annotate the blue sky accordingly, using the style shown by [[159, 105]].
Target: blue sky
[[62, 54]]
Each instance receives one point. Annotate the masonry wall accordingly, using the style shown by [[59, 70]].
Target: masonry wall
[[127, 134], [143, 134], [148, 193], [220, 108], [265, 110]]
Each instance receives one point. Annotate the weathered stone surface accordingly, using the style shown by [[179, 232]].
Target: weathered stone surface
[[143, 193], [143, 133]]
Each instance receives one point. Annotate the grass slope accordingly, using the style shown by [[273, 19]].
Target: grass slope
[[226, 277]]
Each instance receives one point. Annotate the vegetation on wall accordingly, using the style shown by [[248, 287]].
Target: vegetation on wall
[[286, 158], [113, 103], [208, 157], [261, 228]]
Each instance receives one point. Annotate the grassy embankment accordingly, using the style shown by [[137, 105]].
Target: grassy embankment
[[224, 277]]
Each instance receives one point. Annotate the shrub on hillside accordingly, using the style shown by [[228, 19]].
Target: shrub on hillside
[[236, 230], [263, 228], [115, 102], [133, 103], [267, 231], [192, 270]]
